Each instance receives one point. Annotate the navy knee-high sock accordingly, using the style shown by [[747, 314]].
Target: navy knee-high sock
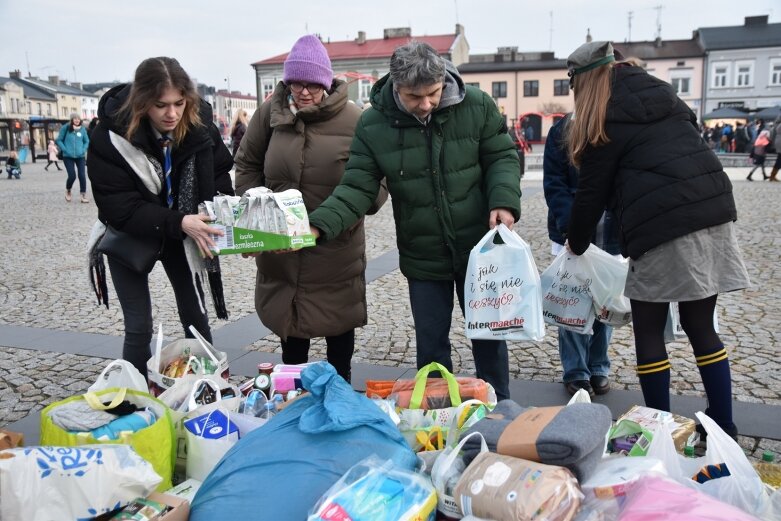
[[654, 378], [716, 378]]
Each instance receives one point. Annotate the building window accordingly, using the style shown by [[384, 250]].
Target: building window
[[744, 74], [560, 87], [64, 112], [531, 88], [268, 87], [775, 73], [365, 90], [499, 89], [720, 73], [48, 110], [681, 85], [475, 84], [40, 111]]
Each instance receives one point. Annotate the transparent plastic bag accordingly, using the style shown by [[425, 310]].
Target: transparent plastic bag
[[447, 470], [375, 489]]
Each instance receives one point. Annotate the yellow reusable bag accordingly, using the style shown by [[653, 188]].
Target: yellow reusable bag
[[154, 443]]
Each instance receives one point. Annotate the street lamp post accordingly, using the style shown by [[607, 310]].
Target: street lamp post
[[230, 111]]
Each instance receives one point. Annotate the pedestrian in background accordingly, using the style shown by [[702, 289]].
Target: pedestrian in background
[[775, 138], [238, 129], [13, 166], [155, 155], [640, 154], [73, 141], [300, 138], [759, 154], [584, 358], [52, 152], [452, 172]]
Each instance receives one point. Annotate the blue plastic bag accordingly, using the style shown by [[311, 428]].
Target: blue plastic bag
[[283, 467]]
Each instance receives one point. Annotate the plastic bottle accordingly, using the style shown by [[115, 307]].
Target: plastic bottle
[[688, 451], [268, 411], [769, 472], [254, 404]]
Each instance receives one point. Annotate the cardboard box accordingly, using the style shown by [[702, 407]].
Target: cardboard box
[[682, 428], [10, 439], [185, 490], [179, 509], [242, 240]]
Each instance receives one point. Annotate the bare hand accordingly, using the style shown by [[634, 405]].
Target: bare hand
[[195, 227], [569, 250], [314, 231], [251, 255], [501, 215]]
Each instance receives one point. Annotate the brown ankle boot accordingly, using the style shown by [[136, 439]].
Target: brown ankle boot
[[773, 174]]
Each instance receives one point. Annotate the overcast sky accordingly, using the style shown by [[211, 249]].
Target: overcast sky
[[104, 40]]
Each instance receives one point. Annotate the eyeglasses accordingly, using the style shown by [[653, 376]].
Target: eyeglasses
[[312, 88]]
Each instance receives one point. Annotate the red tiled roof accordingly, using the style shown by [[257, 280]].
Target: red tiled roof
[[376, 48]]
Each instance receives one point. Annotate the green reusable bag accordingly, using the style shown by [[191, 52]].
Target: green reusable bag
[[155, 443]]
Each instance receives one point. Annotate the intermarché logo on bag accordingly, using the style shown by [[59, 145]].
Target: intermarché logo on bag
[[498, 325]]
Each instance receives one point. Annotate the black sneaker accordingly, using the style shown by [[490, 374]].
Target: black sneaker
[[576, 385], [601, 384]]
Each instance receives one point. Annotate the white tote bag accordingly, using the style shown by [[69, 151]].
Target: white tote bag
[[502, 298]]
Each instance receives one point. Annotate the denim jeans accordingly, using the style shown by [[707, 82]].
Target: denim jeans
[[584, 356], [432, 310], [133, 294], [70, 166]]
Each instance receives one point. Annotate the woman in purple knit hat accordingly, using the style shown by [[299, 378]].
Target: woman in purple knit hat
[[300, 138]]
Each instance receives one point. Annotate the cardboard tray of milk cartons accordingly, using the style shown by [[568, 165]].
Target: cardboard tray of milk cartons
[[260, 220]]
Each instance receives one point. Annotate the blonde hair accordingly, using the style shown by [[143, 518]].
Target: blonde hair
[[241, 116], [153, 76], [587, 126]]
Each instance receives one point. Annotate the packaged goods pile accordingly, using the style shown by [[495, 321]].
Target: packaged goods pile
[[259, 220]]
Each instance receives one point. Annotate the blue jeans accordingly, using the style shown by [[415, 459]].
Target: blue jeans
[[432, 310], [71, 163], [584, 356]]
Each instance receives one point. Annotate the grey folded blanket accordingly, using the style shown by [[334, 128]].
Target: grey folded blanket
[[78, 416], [571, 436]]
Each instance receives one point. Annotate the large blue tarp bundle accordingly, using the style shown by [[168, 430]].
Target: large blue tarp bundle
[[282, 468]]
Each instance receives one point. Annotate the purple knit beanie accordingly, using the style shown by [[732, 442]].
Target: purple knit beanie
[[308, 62]]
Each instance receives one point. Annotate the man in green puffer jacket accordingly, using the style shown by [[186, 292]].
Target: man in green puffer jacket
[[452, 173]]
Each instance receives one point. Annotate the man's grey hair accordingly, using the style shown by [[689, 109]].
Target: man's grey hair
[[416, 64]]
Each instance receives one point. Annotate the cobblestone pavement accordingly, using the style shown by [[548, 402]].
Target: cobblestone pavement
[[44, 285]]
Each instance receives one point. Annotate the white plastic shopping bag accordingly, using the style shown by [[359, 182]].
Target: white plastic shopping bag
[[186, 400], [180, 357], [45, 483], [120, 373], [209, 437], [566, 290], [608, 278], [502, 298], [445, 473], [742, 488], [673, 330]]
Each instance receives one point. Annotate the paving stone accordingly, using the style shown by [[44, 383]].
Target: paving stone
[[33, 294]]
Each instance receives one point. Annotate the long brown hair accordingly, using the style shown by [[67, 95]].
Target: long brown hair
[[153, 76], [587, 126]]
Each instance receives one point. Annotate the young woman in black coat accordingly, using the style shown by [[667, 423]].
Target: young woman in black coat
[[640, 154], [153, 157]]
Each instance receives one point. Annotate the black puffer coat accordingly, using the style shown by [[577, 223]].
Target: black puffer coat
[[656, 173], [122, 198]]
